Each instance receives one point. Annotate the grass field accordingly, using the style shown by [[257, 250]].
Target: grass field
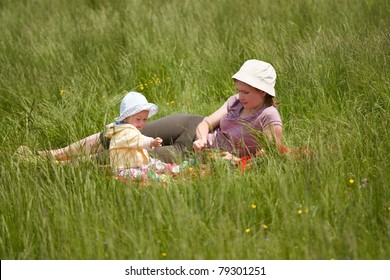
[[66, 64]]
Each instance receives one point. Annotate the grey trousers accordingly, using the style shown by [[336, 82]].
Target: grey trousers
[[177, 131]]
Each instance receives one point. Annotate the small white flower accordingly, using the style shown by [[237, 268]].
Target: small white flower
[[176, 169]]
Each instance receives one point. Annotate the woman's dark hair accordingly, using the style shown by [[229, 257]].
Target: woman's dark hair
[[269, 100]]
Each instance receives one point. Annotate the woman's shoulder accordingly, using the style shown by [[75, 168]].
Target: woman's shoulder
[[231, 100], [270, 115], [271, 110]]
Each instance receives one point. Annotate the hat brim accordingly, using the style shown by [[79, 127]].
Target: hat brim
[[248, 79], [152, 108]]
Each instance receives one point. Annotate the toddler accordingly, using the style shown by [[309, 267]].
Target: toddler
[[129, 147]]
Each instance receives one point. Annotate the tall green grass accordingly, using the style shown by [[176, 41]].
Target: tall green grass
[[66, 64]]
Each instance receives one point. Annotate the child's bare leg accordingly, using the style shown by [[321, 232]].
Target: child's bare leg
[[87, 146]]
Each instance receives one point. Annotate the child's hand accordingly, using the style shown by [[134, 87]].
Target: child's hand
[[156, 142]]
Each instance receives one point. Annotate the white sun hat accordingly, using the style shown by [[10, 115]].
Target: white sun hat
[[258, 74], [133, 103]]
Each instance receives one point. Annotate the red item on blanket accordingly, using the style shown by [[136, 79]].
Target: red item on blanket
[[242, 162]]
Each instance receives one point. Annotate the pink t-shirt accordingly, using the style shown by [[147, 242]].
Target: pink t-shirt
[[237, 135]]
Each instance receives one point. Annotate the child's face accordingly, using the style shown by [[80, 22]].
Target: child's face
[[138, 120]]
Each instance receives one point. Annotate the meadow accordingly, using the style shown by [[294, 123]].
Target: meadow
[[65, 65]]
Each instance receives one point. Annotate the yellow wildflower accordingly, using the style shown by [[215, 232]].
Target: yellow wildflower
[[247, 230], [164, 254], [299, 212], [253, 206], [351, 181]]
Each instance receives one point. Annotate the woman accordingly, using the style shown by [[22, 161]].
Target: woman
[[237, 122], [231, 129]]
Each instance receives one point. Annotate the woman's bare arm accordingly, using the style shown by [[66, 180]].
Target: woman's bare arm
[[208, 124]]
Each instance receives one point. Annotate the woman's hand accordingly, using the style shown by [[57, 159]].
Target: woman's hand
[[156, 142], [199, 144], [207, 125], [223, 155], [229, 156]]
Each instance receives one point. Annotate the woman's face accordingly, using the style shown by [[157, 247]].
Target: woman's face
[[138, 120], [250, 97]]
